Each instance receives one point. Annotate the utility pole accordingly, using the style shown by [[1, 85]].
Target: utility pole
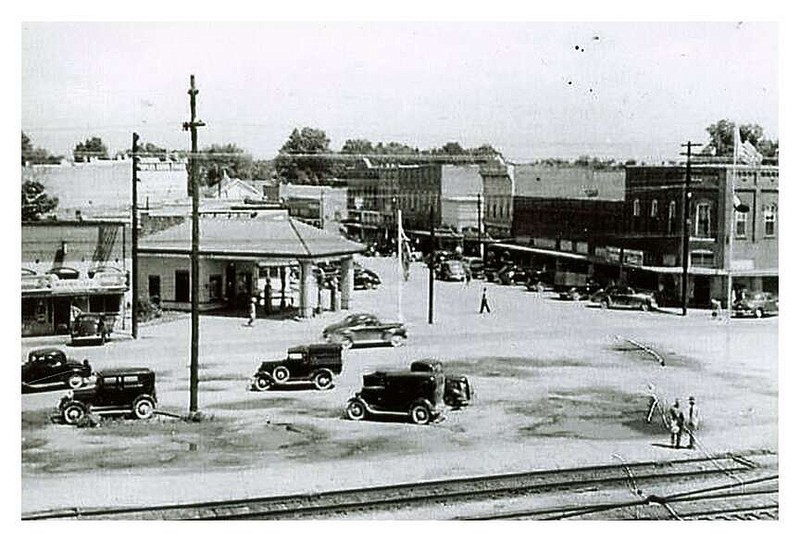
[[430, 270], [135, 235], [192, 126], [480, 225], [687, 222]]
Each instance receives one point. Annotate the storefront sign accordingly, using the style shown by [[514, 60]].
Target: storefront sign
[[633, 257]]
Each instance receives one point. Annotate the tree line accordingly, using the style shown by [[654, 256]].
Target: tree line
[[306, 158]]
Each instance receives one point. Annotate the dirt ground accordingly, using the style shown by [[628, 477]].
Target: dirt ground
[[556, 385]]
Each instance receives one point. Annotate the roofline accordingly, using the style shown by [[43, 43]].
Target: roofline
[[223, 253], [85, 223]]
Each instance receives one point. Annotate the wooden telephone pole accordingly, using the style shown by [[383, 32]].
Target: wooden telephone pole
[[687, 224], [135, 235], [192, 126]]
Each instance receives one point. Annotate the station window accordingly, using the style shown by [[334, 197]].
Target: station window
[[769, 221], [637, 210], [654, 208], [702, 224]]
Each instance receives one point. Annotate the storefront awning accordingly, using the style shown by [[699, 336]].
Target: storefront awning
[[541, 251], [704, 271]]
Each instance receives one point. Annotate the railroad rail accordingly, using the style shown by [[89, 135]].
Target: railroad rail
[[389, 498]]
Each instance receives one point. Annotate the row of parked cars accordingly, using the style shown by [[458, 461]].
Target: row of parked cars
[[419, 394]]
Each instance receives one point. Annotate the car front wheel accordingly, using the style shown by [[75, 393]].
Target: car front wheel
[[356, 411], [420, 414], [75, 381], [759, 313], [396, 340], [604, 304], [74, 412], [263, 383], [645, 306], [143, 408]]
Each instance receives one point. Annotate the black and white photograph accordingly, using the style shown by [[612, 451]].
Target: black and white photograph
[[336, 269]]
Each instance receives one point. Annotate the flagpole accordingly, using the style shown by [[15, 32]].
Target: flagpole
[[736, 144], [399, 265]]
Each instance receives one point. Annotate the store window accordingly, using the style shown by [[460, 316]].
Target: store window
[[654, 208], [671, 213], [702, 223], [741, 224], [637, 210], [769, 221]]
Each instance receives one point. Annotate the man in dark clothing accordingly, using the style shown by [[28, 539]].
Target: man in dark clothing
[[676, 421], [692, 422], [484, 302]]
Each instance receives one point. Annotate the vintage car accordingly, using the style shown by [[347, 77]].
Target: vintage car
[[417, 396], [457, 390], [756, 304], [451, 270], [475, 266], [50, 368], [512, 275], [315, 363], [364, 329], [88, 327], [365, 279], [579, 293], [118, 391], [625, 297]]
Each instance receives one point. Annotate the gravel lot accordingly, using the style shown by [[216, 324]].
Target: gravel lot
[[557, 385]]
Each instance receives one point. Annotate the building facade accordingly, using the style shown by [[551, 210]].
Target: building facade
[[724, 243], [73, 267]]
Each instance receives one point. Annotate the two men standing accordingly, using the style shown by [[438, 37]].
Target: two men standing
[[680, 423]]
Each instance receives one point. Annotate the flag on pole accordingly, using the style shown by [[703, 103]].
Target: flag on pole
[[744, 152], [405, 252]]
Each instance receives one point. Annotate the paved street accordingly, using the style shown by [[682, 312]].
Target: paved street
[[557, 385]]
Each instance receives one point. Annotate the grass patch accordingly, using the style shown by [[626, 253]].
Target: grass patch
[[594, 414]]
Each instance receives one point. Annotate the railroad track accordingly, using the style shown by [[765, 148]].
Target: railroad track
[[736, 471]]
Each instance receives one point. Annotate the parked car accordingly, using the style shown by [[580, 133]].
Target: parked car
[[118, 391], [315, 363], [364, 329], [512, 274], [538, 280], [625, 297], [451, 270], [475, 266], [457, 390], [88, 327], [365, 279], [758, 305], [581, 293], [50, 367], [418, 396]]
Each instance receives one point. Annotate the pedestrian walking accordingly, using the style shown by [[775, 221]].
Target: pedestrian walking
[[484, 302], [252, 314], [467, 275], [692, 422], [676, 421]]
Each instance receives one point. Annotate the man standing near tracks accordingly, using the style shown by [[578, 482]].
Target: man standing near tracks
[[676, 421], [692, 422]]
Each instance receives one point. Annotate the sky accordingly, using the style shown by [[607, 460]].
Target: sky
[[532, 90]]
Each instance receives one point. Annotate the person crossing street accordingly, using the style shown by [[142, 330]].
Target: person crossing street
[[484, 302], [676, 424], [692, 422]]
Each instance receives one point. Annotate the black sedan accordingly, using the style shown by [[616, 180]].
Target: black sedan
[[90, 328], [49, 368], [365, 329], [625, 297], [365, 279]]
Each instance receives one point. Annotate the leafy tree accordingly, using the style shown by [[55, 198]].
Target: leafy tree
[[721, 138], [35, 201], [263, 169], [297, 161], [36, 156], [450, 149], [357, 146], [91, 148], [220, 159]]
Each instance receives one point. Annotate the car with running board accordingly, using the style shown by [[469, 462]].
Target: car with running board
[[457, 390], [50, 368], [315, 363], [415, 396]]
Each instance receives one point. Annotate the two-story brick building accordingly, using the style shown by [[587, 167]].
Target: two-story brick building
[[723, 242]]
